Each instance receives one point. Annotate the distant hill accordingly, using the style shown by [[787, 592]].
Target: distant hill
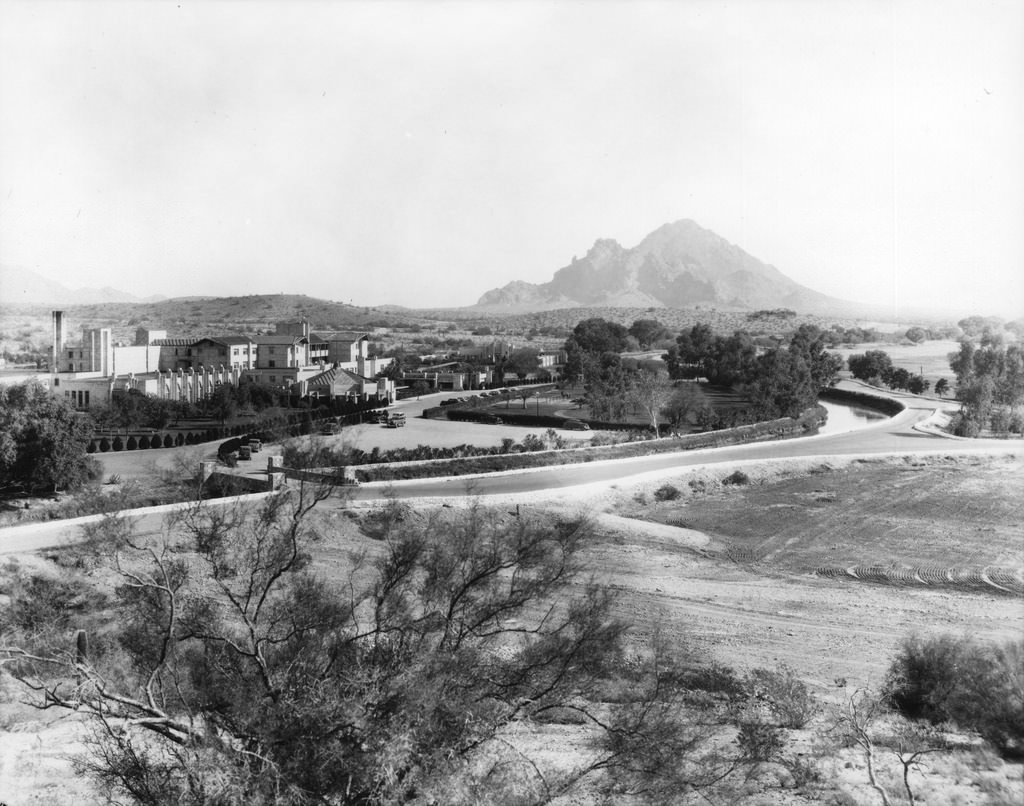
[[20, 286], [679, 265], [195, 315]]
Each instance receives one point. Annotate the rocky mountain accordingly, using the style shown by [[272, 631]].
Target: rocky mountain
[[678, 265], [24, 286]]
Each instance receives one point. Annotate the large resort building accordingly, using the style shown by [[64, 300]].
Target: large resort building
[[292, 360]]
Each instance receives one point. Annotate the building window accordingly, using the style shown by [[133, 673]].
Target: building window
[[56, 381], [272, 363], [272, 350], [71, 353], [273, 379]]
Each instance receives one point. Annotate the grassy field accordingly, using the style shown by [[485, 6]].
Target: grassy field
[[930, 358]]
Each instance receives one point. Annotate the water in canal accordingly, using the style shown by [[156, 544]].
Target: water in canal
[[843, 417]]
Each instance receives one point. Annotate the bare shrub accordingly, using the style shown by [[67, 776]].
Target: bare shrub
[[787, 696]]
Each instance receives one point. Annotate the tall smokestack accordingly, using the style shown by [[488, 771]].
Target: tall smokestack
[[57, 341]]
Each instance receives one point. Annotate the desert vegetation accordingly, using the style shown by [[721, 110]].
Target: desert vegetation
[[298, 651]]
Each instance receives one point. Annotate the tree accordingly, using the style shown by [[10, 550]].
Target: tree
[[43, 440], [232, 672], [941, 387], [809, 344], [872, 366], [686, 404], [597, 335], [916, 334], [651, 391], [222, 403], [897, 378], [647, 332], [783, 385], [522, 361], [918, 384], [420, 388]]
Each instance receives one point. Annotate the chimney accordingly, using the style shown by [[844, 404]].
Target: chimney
[[58, 340]]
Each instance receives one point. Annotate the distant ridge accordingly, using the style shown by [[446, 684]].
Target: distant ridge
[[20, 286], [679, 265]]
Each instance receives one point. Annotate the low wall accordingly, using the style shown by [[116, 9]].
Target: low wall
[[783, 428]]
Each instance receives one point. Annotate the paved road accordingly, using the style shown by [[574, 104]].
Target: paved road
[[894, 435]]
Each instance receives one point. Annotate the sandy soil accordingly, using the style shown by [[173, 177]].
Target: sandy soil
[[734, 573]]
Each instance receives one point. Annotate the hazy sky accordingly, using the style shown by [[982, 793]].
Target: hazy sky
[[421, 153]]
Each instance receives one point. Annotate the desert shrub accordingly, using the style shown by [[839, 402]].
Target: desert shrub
[[117, 444], [737, 477], [42, 602], [93, 469], [759, 740], [976, 685], [923, 676], [963, 426], [168, 441], [714, 678], [787, 696], [666, 492], [531, 442], [842, 798], [132, 444], [143, 443], [553, 439], [698, 485]]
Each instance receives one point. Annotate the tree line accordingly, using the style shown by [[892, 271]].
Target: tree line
[[780, 381], [989, 385]]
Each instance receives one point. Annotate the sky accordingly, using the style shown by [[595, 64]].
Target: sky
[[422, 153]]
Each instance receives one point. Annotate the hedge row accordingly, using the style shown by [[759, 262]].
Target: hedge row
[[809, 421], [144, 442]]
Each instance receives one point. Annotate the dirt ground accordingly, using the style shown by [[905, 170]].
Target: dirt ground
[[745, 574], [747, 570]]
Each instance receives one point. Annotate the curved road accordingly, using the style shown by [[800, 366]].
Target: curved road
[[895, 435], [892, 435]]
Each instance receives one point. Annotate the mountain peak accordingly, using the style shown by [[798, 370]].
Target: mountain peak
[[678, 265]]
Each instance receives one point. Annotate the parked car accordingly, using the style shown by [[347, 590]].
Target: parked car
[[575, 425]]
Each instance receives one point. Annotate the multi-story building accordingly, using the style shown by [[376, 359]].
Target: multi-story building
[[189, 369]]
